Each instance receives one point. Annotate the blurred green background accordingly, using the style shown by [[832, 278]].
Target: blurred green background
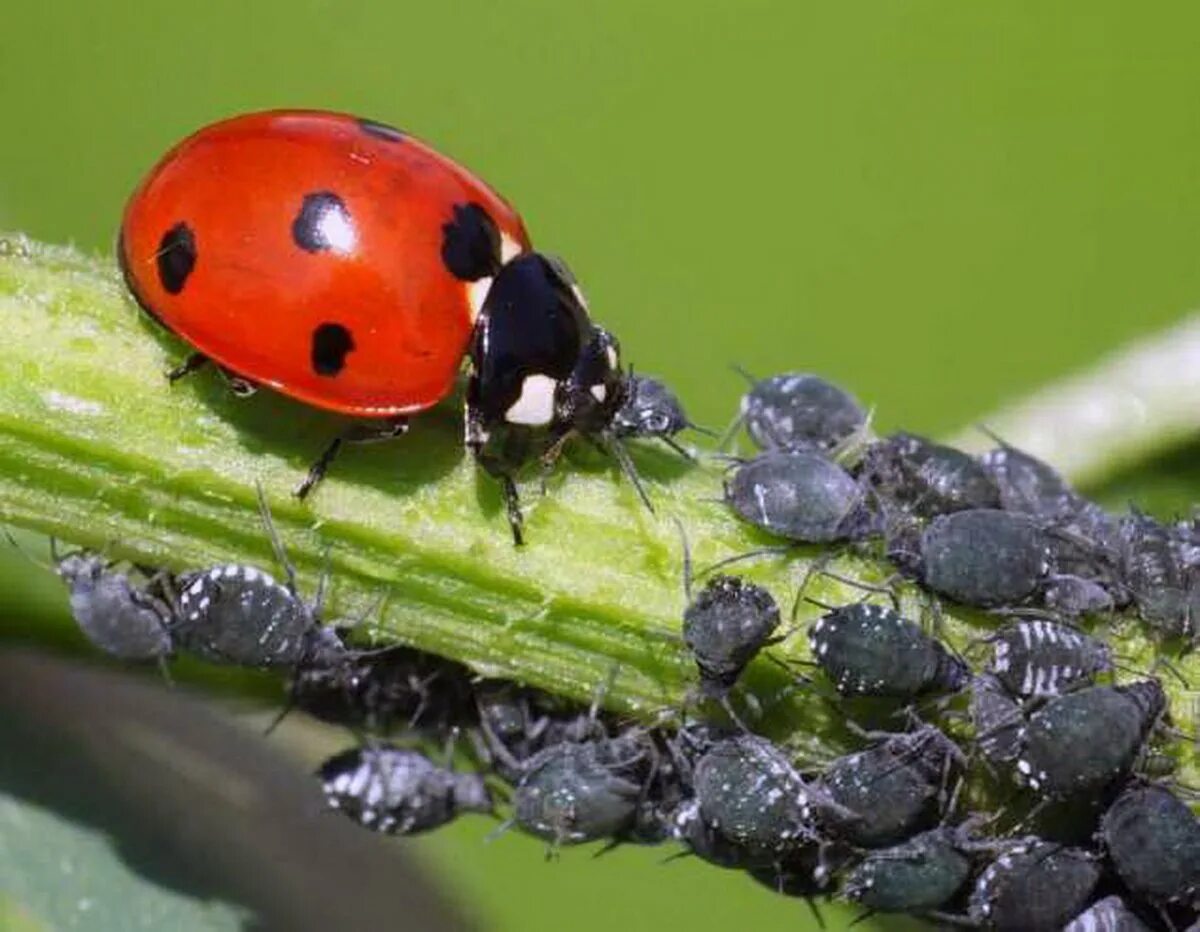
[[940, 205]]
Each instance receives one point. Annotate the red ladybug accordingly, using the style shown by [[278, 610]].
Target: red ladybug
[[342, 262]]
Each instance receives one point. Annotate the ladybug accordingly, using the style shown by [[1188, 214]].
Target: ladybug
[[345, 264]]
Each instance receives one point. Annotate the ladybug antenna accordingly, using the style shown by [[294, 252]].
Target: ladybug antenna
[[617, 448]]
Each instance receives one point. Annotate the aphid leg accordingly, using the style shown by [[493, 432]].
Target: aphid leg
[[727, 706], [885, 588], [358, 433], [192, 363], [165, 670]]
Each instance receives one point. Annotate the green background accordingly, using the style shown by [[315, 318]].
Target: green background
[[940, 205]]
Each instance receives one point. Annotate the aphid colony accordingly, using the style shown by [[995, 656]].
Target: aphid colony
[[1090, 840]]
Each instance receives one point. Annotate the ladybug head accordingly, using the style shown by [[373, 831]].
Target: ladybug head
[[594, 394]]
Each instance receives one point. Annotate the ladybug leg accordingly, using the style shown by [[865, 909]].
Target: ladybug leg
[[500, 452], [358, 433], [193, 362]]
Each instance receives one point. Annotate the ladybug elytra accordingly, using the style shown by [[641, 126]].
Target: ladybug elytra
[[343, 263]]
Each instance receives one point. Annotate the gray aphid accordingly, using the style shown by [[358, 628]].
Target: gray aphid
[[240, 615], [116, 615], [575, 792], [1153, 839], [1036, 658], [800, 411], [984, 557], [1107, 915], [802, 497], [1083, 741], [870, 650], [1035, 886], [399, 791], [921, 478], [725, 626], [891, 788], [920, 875], [749, 793]]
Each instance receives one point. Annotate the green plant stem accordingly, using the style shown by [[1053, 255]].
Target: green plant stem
[[1140, 401], [97, 449]]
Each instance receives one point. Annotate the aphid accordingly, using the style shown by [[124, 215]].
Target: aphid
[[891, 788], [802, 497], [515, 723], [870, 650], [399, 791], [1028, 485], [1153, 840], [240, 615], [924, 478], [997, 718], [917, 876], [984, 557], [1083, 741], [1035, 886], [1036, 658], [377, 688], [118, 616], [575, 792], [799, 411], [725, 626], [651, 410], [1107, 915], [347, 265], [1165, 589], [749, 794]]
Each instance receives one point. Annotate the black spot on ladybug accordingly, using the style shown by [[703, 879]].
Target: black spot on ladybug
[[176, 257], [471, 243], [322, 223], [330, 344], [381, 131]]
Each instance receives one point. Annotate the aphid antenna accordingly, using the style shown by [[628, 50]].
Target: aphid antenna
[[281, 557], [952, 919], [730, 432], [812, 570], [601, 690], [777, 551], [502, 829], [995, 437], [701, 429], [56, 555], [687, 559], [850, 448], [727, 707]]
